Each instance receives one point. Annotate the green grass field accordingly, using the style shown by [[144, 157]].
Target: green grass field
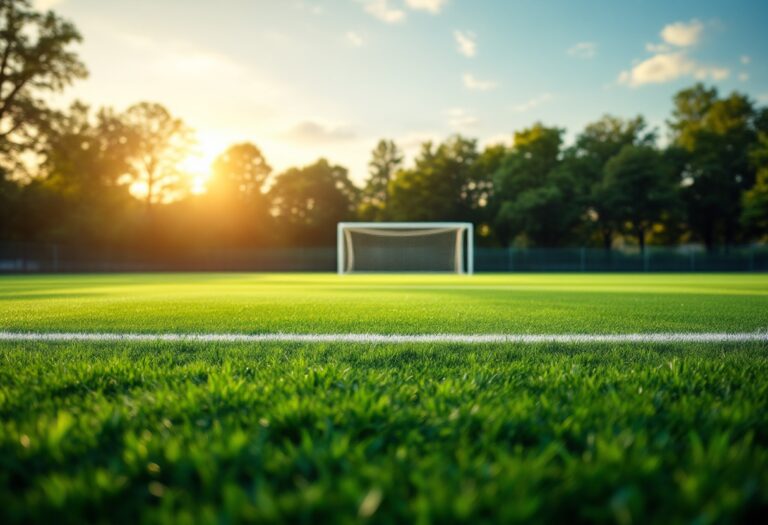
[[383, 433], [309, 303]]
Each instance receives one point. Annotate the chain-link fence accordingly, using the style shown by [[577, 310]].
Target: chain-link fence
[[52, 258], [653, 259], [20, 257]]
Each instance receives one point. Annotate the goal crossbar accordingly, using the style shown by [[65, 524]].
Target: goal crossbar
[[462, 235]]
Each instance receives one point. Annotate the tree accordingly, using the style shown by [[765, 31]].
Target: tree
[[538, 214], [717, 135], [437, 188], [386, 159], [10, 191], [603, 139], [755, 211], [36, 60], [308, 202], [534, 197], [241, 170], [638, 189], [691, 107], [478, 188], [162, 141], [85, 163], [586, 161], [87, 156], [235, 210], [478, 192]]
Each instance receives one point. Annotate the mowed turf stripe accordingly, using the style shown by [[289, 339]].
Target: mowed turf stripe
[[663, 337]]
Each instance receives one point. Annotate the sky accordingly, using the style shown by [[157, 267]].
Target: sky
[[309, 78]]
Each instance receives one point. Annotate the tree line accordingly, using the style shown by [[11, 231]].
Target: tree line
[[66, 175]]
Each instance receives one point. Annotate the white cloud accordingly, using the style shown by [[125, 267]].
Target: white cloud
[[744, 77], [354, 39], [45, 5], [459, 118], [432, 6], [683, 34], [745, 59], [382, 10], [658, 69], [310, 131], [387, 11], [466, 43], [475, 84], [532, 103], [584, 50], [666, 67], [669, 63]]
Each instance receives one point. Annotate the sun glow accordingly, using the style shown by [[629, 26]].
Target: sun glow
[[198, 164], [198, 185]]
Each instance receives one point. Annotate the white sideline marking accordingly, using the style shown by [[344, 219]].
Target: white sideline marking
[[664, 337]]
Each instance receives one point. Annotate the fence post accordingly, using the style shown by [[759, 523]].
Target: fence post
[[645, 259], [583, 259]]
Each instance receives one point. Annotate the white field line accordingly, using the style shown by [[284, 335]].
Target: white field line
[[664, 337]]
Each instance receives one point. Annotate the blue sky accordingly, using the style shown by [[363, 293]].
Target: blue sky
[[304, 78]]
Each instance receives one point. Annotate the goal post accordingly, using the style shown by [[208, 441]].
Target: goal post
[[436, 247]]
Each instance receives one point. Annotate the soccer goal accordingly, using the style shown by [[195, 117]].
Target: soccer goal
[[405, 247]]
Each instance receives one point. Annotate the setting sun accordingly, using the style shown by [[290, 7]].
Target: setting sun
[[197, 165]]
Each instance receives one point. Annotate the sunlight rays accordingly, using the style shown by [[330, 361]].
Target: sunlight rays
[[196, 167]]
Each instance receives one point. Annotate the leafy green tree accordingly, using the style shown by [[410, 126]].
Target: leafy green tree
[[535, 153], [386, 159], [755, 211], [162, 141], [440, 186], [586, 161], [85, 163], [638, 189], [241, 170], [541, 214], [87, 155], [717, 135], [308, 202], [691, 107], [36, 60], [10, 191], [479, 192], [534, 197], [606, 137]]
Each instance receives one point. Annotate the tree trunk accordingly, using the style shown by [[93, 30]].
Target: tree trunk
[[641, 238]]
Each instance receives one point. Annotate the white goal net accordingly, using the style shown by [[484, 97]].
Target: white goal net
[[405, 247]]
